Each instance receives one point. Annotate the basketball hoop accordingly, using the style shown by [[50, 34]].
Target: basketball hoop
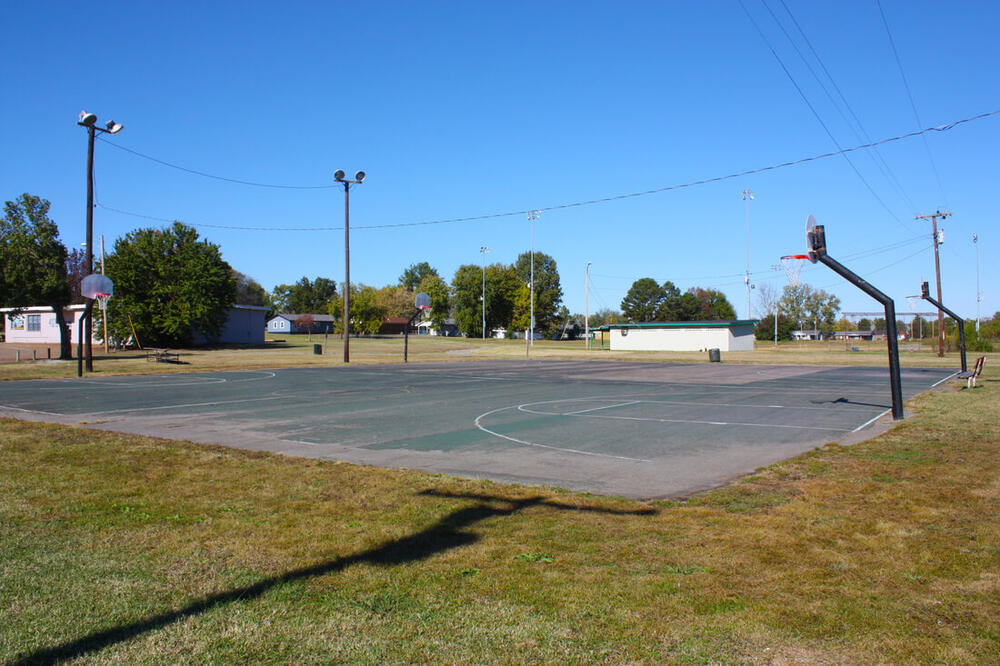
[[102, 300], [914, 302], [792, 263]]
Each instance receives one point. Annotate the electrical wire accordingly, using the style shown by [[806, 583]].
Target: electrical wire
[[705, 181], [214, 177], [817, 116], [861, 133], [909, 95]]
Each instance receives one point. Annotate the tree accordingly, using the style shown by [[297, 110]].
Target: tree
[[670, 308], [440, 294], [605, 316], [75, 261], [713, 305], [170, 285], [366, 313], [643, 301], [415, 274], [864, 324], [396, 301], [305, 323], [33, 262], [764, 330], [249, 291], [767, 299], [304, 295], [879, 324], [548, 292], [810, 307], [502, 285]]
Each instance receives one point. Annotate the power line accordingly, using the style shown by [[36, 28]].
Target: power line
[[705, 181], [815, 113], [909, 95], [861, 133], [213, 176]]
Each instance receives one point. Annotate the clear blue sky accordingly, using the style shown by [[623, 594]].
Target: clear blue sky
[[460, 109]]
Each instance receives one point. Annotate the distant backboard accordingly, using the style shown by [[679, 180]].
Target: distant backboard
[[423, 301], [815, 239], [95, 285]]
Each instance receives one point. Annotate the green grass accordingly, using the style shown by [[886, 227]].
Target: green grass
[[115, 548], [297, 350]]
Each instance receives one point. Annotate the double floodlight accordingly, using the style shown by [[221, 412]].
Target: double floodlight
[[339, 175], [89, 120]]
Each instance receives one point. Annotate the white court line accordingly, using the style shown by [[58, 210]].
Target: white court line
[[871, 421], [207, 381], [191, 404], [594, 409], [694, 421], [740, 404], [544, 446], [945, 379], [30, 411]]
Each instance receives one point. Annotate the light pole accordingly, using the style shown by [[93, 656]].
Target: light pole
[[339, 177], [747, 198], [586, 305], [979, 294], [483, 250], [89, 120], [532, 216]]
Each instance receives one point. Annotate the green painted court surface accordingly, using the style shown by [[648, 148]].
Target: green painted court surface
[[632, 429]]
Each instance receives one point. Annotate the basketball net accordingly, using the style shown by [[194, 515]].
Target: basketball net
[[102, 300], [914, 302], [792, 264]]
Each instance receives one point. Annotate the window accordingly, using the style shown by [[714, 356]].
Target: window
[[34, 322]]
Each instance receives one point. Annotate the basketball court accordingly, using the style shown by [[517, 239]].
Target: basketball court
[[639, 430]]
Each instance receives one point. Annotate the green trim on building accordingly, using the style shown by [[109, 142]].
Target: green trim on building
[[681, 324]]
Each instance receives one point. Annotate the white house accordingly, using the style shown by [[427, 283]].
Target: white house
[[680, 335], [38, 324], [287, 323], [244, 325]]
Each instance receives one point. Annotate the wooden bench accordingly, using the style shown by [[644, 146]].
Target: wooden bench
[[162, 356], [974, 373]]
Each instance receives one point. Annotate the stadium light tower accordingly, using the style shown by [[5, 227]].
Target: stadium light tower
[[483, 250], [979, 294], [532, 216], [340, 178], [89, 120], [747, 198]]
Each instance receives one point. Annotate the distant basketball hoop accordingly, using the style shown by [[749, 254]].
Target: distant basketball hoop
[[423, 301], [792, 263], [95, 286]]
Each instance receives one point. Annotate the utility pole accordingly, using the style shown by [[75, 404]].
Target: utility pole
[[586, 305], [937, 271], [532, 216]]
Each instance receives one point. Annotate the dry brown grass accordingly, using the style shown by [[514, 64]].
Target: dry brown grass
[[297, 351], [130, 549]]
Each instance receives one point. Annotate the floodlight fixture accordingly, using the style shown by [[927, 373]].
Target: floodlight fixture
[[87, 119], [338, 175], [359, 176], [112, 127]]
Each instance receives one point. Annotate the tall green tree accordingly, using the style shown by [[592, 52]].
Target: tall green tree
[[643, 301], [502, 284], [304, 296], [809, 307], [249, 291], [33, 262], [170, 284], [713, 305], [415, 274], [548, 292], [366, 311], [440, 294]]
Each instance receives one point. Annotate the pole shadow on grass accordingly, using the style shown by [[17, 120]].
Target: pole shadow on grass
[[444, 535]]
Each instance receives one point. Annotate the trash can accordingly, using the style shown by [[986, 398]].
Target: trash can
[[714, 356], [318, 350]]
